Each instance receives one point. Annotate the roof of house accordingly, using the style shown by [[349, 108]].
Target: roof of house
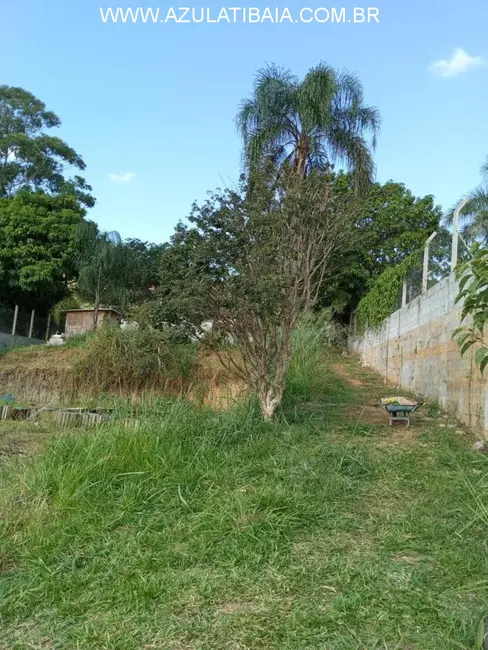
[[113, 311]]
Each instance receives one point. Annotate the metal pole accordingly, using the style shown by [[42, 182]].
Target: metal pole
[[425, 272], [455, 233], [14, 326], [31, 325], [48, 326], [404, 293]]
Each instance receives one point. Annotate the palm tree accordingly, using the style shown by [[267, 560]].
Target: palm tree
[[103, 268], [309, 124], [475, 212]]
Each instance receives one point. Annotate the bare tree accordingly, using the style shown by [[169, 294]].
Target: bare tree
[[254, 262]]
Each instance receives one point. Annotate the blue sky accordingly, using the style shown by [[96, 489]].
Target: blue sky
[[151, 107]]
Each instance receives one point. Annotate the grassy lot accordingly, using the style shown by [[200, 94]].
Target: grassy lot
[[201, 530]]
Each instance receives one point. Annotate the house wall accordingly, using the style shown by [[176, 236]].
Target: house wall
[[80, 322], [414, 350]]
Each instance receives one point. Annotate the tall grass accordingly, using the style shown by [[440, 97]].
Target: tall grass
[[309, 377]]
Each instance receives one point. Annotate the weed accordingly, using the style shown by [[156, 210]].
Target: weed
[[432, 410]]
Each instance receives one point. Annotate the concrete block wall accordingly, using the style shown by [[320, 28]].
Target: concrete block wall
[[414, 350]]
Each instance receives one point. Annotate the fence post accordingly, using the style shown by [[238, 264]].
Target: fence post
[[48, 326], [31, 325], [425, 272], [455, 233], [14, 326], [404, 293], [353, 323]]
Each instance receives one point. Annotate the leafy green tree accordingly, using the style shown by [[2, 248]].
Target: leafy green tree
[[309, 124], [147, 260], [29, 156], [392, 224], [252, 261], [37, 235], [186, 263]]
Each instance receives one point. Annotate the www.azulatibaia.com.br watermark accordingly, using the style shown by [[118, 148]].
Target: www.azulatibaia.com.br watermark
[[252, 15]]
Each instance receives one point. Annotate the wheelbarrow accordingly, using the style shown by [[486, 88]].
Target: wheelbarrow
[[399, 409]]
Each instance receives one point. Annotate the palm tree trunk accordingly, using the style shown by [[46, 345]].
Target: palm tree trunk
[[96, 305], [301, 155], [96, 309]]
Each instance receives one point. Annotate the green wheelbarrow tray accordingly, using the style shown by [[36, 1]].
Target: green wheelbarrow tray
[[400, 409]]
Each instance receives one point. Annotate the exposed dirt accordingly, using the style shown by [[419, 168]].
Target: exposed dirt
[[398, 433], [342, 371], [41, 375], [372, 415], [22, 438], [401, 435], [12, 450]]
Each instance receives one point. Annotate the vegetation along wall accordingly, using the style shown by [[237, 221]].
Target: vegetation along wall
[[414, 350]]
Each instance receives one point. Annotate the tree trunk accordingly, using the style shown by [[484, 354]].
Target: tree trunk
[[302, 164], [269, 400], [301, 155], [96, 305], [96, 308]]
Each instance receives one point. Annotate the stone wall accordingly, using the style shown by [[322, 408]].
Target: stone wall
[[413, 349]]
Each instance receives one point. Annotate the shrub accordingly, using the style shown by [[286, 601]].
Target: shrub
[[80, 340], [132, 359]]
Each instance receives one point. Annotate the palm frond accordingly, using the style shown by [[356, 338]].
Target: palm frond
[[477, 229], [477, 202], [484, 171], [113, 237], [350, 111], [474, 212], [352, 149], [264, 120], [316, 96], [315, 123]]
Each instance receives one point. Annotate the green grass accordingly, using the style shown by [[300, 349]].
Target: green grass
[[204, 530]]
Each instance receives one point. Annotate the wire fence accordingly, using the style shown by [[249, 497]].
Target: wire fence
[[26, 323], [441, 253], [433, 265]]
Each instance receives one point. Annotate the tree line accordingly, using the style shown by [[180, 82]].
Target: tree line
[[49, 252], [306, 227]]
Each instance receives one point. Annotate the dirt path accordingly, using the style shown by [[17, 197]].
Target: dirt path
[[370, 388], [343, 372]]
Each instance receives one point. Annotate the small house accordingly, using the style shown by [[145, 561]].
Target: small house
[[80, 321]]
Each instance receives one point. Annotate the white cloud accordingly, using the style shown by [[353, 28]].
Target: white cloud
[[459, 62], [122, 177]]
